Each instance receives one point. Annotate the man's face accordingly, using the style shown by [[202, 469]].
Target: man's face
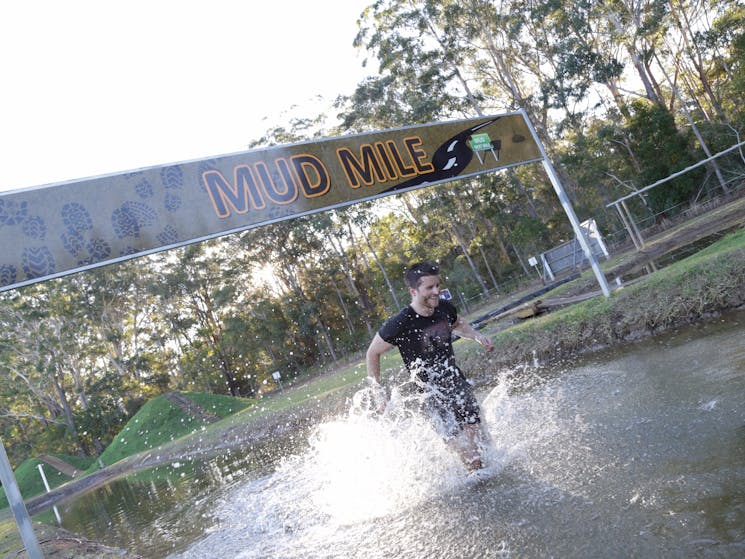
[[428, 292]]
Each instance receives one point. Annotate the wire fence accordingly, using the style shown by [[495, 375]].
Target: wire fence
[[650, 224], [616, 237]]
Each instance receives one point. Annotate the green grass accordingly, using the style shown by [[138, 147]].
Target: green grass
[[307, 393], [219, 404], [160, 421], [157, 422], [707, 281], [29, 479], [733, 241]]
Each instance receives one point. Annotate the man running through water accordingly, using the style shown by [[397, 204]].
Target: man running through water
[[423, 332]]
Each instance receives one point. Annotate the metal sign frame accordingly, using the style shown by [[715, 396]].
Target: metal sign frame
[[54, 230]]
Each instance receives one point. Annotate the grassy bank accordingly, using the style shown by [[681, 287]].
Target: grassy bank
[[159, 422], [29, 479], [704, 284]]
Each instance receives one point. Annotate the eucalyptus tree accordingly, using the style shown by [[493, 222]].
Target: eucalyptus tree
[[483, 56], [339, 246], [268, 343], [30, 406], [389, 238], [649, 20], [696, 25], [728, 35], [417, 66], [336, 312], [203, 282], [487, 192], [291, 248], [575, 36], [360, 217], [726, 38], [637, 27], [51, 350], [125, 365], [344, 315], [441, 230], [462, 231], [504, 50], [249, 325], [475, 199], [117, 305], [83, 348]]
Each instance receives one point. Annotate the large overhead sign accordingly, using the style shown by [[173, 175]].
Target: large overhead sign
[[53, 230]]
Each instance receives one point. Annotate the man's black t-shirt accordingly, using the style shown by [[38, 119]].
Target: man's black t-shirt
[[426, 346], [428, 338]]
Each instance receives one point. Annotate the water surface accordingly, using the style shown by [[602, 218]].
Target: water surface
[[631, 453]]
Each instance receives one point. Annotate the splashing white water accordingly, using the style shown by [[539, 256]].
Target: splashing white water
[[357, 469], [369, 465]]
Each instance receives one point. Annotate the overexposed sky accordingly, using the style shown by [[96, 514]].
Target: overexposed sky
[[92, 87]]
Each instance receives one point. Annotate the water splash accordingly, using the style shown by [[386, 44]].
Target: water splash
[[357, 470], [370, 464]]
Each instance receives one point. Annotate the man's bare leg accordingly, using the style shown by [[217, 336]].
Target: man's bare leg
[[466, 444]]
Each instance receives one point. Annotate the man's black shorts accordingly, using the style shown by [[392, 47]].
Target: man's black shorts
[[449, 400]]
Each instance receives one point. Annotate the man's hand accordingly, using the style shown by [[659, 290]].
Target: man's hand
[[379, 395], [485, 341], [465, 330]]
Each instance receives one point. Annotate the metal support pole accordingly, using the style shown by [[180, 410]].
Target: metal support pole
[[633, 230], [677, 174], [627, 225], [15, 500], [46, 485], [567, 205], [547, 268], [633, 223]]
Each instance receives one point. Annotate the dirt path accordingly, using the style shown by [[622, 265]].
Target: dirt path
[[191, 408], [722, 218]]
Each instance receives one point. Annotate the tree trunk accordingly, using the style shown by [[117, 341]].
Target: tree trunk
[[347, 270], [461, 242], [383, 271], [495, 234], [681, 19], [324, 331], [343, 305], [67, 410], [652, 93], [524, 193], [484, 259]]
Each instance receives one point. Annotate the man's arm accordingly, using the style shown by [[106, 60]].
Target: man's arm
[[465, 330], [378, 347]]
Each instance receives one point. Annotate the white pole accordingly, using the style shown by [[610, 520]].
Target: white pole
[[567, 205], [46, 484], [547, 268], [15, 500]]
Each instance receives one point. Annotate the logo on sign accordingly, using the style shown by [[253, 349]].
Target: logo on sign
[[482, 143]]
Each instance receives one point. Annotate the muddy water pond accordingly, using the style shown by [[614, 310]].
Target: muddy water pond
[[637, 452]]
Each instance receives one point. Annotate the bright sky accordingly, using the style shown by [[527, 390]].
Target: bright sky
[[92, 87]]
